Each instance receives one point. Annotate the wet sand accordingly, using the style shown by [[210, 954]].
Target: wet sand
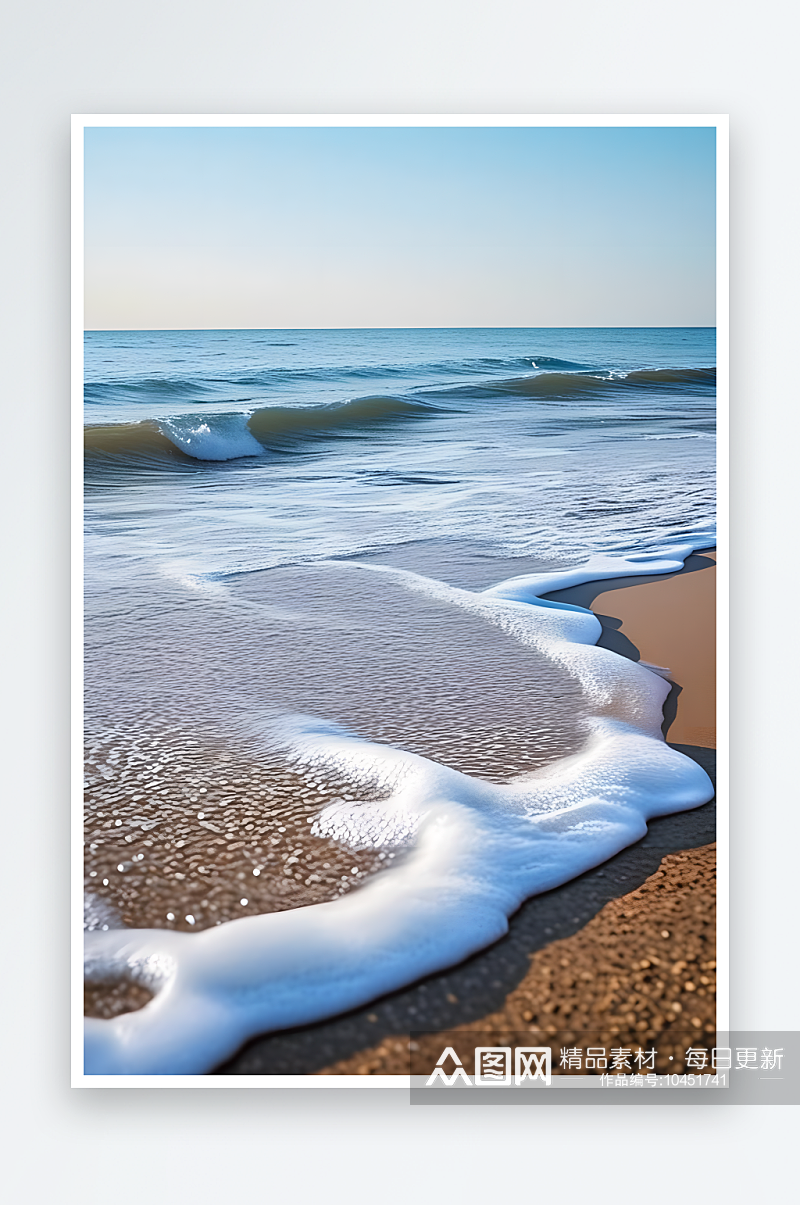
[[642, 972], [597, 922]]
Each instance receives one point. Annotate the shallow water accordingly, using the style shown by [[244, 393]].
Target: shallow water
[[183, 834], [213, 601], [199, 818]]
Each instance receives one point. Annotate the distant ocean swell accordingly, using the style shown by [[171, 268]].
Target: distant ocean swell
[[567, 384], [207, 386]]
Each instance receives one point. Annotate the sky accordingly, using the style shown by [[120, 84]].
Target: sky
[[224, 228]]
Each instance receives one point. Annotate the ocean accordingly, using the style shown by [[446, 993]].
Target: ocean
[[319, 670]]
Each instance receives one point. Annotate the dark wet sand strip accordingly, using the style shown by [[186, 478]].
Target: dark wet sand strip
[[641, 973]]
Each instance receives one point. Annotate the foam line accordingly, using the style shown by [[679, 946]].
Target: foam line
[[474, 852], [529, 587]]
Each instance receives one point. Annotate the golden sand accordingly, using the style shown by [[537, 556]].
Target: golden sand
[[672, 623]]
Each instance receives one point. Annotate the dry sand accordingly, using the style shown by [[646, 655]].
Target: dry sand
[[667, 621]]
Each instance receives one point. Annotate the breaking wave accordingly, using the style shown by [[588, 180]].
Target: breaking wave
[[219, 437], [644, 380], [230, 436]]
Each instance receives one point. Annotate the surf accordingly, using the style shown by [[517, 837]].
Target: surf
[[232, 436], [475, 851]]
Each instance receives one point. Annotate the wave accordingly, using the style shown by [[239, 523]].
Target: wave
[[273, 421], [131, 389], [684, 435], [678, 376], [213, 388], [219, 437], [207, 387], [551, 362], [474, 851], [567, 384], [144, 441]]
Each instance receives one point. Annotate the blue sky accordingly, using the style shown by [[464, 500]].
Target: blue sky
[[339, 227]]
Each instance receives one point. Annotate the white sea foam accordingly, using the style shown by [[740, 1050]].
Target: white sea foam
[[474, 851], [684, 435], [219, 437]]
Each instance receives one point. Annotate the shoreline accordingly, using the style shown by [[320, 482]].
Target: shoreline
[[641, 973], [645, 620], [483, 989]]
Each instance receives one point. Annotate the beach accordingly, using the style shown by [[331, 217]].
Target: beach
[[573, 962], [342, 683], [642, 973], [668, 622]]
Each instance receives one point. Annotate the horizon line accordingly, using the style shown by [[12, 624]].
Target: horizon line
[[93, 330]]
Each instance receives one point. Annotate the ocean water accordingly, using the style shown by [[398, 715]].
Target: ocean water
[[330, 721], [276, 446]]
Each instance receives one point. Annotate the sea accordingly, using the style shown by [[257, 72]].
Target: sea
[[296, 545]]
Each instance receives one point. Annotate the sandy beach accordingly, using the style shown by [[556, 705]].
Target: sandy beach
[[574, 958], [668, 621]]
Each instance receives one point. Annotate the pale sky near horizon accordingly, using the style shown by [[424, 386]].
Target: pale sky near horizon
[[222, 228]]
